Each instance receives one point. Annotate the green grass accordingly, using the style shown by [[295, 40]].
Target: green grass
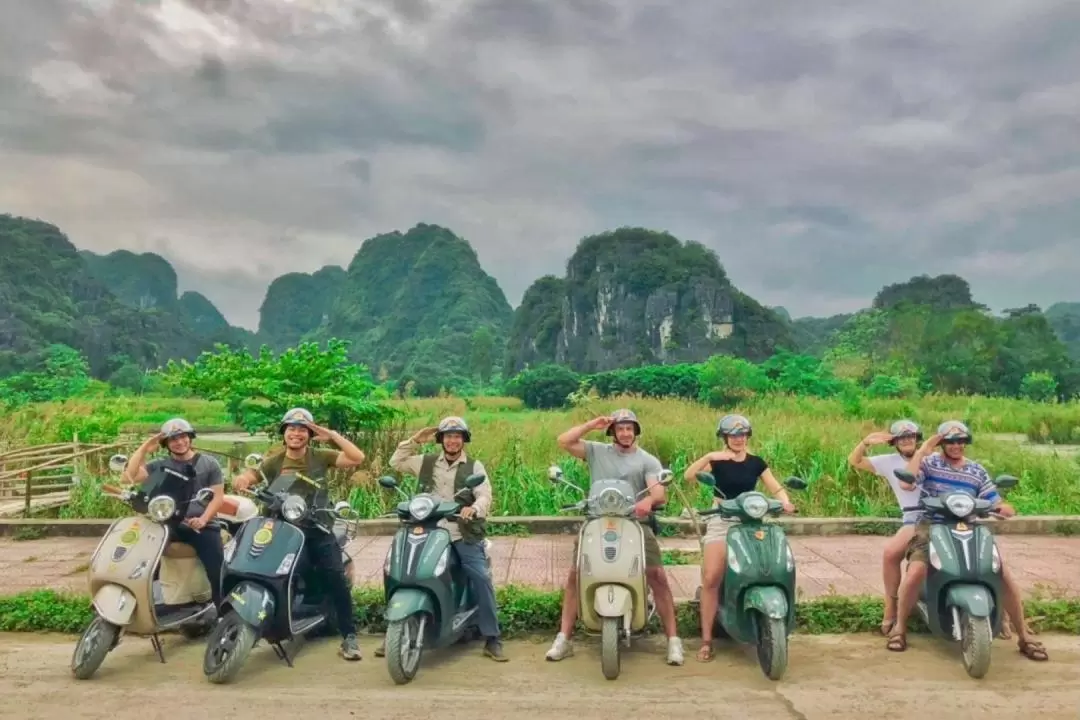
[[807, 437]]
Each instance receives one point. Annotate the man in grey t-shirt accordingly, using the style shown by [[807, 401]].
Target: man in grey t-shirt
[[621, 459], [204, 472]]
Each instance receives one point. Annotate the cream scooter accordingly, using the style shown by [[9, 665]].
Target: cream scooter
[[614, 598], [133, 550]]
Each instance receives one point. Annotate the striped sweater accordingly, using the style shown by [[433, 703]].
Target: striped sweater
[[938, 478]]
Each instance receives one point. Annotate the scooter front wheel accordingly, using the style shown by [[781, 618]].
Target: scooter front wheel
[[609, 647], [227, 649], [404, 647], [772, 646], [94, 644], [976, 636]]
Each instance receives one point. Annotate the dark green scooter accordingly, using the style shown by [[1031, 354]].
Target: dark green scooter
[[428, 597], [757, 603], [961, 598]]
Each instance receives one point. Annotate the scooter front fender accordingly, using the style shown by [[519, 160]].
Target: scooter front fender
[[975, 600], [115, 604], [406, 602], [768, 600], [253, 603], [613, 601]]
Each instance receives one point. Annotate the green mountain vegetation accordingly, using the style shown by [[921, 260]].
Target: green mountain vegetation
[[297, 304], [636, 297]]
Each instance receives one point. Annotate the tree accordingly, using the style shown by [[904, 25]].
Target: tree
[[259, 390], [545, 387]]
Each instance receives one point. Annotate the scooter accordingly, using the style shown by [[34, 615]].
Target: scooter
[[961, 598], [271, 590], [136, 550], [428, 597], [757, 597], [614, 597]]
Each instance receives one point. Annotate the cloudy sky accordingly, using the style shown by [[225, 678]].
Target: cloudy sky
[[823, 149]]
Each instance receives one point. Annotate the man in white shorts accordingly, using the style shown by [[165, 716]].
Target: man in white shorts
[[904, 436]]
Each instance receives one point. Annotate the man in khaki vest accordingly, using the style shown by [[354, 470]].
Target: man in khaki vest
[[444, 474]]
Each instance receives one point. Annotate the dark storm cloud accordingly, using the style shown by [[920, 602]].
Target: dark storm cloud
[[822, 149]]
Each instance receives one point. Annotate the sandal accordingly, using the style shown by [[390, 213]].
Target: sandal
[[1033, 650], [705, 654], [897, 643]]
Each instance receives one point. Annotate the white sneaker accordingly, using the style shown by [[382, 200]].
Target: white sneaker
[[561, 648], [674, 651]]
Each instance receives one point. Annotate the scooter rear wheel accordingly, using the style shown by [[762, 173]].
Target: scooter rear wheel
[[227, 649], [609, 647], [94, 644]]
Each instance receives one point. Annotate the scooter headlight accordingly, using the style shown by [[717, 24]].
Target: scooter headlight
[[960, 504], [421, 506], [161, 508], [612, 502], [755, 505], [444, 560], [293, 508]]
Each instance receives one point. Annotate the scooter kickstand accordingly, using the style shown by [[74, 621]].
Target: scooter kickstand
[[279, 650], [156, 642]]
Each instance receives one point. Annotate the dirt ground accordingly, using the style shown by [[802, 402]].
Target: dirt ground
[[834, 677]]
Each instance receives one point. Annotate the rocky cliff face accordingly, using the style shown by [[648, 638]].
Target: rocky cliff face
[[297, 304], [633, 297]]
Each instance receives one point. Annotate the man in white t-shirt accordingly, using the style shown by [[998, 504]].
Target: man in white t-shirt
[[904, 436]]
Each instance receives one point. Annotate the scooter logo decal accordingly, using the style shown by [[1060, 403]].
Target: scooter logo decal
[[418, 530], [130, 537], [262, 537], [262, 615], [760, 534], [961, 526]]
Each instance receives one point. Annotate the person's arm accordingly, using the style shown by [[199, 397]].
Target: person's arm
[[216, 482], [988, 491], [348, 456], [699, 465], [571, 441], [482, 492], [857, 459], [916, 465], [135, 471], [657, 493], [407, 457], [775, 489]]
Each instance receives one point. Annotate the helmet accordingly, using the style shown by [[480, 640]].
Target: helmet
[[734, 425], [904, 428], [296, 416], [453, 424], [622, 415], [954, 430], [175, 427]]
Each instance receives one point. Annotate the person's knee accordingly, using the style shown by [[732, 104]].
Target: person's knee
[[657, 576], [916, 571]]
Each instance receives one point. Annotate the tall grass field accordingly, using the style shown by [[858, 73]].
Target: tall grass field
[[805, 437]]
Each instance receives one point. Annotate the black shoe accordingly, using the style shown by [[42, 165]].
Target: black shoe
[[493, 649]]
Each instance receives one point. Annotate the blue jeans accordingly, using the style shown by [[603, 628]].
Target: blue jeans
[[474, 564]]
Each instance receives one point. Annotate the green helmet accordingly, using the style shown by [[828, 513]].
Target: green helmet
[[174, 428], [296, 416], [453, 424], [952, 430], [904, 428], [622, 415], [733, 426]]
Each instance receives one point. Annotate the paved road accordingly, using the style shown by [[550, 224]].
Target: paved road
[[847, 565], [829, 677]]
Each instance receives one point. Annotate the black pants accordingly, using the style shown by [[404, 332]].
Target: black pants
[[207, 544], [325, 555]]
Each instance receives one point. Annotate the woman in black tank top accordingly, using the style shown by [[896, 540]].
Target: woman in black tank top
[[736, 471]]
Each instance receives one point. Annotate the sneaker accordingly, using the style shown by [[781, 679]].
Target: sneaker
[[561, 648], [674, 651], [494, 650], [350, 650], [381, 650]]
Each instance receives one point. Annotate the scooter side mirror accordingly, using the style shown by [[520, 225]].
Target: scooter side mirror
[[344, 509], [905, 476], [555, 474], [388, 482], [465, 496], [1005, 482], [205, 495], [706, 478], [253, 461], [666, 477], [796, 483], [475, 480], [117, 463]]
